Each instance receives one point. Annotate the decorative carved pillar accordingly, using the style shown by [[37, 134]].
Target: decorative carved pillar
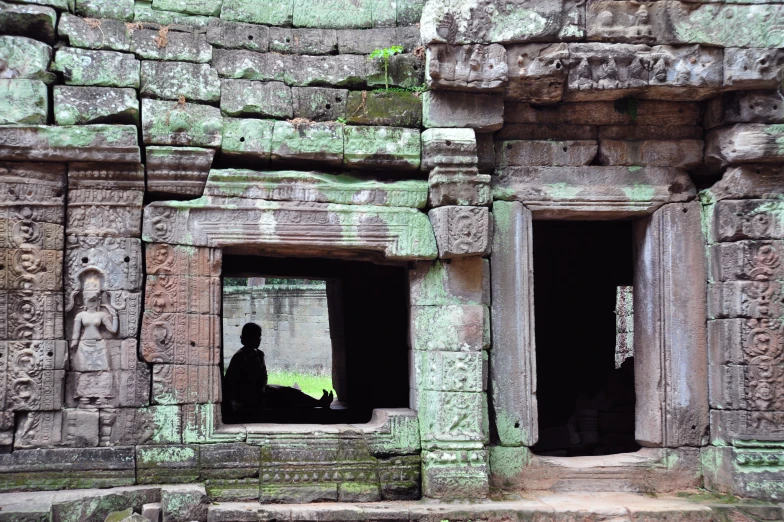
[[33, 355], [449, 337]]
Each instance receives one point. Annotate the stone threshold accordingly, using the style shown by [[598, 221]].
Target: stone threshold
[[539, 506]]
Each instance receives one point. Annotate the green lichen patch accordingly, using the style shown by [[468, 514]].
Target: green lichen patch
[[247, 138], [333, 15], [194, 7], [84, 105], [261, 99], [267, 12], [382, 147], [26, 58], [97, 68], [398, 109], [308, 142], [23, 102], [173, 123], [107, 34], [34, 21], [144, 13], [172, 80], [114, 9]]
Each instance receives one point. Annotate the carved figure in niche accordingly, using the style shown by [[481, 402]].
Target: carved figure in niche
[[584, 75], [245, 387], [91, 352], [608, 78]]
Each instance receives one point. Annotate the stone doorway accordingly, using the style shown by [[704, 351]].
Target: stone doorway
[[585, 403]]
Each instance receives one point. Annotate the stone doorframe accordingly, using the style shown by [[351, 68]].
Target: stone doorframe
[[669, 311]]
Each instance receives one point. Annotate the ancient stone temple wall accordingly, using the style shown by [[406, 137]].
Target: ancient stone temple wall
[[142, 142]]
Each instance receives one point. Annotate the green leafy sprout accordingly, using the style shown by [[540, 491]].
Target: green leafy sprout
[[384, 54]]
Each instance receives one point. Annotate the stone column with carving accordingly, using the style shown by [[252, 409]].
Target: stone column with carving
[[33, 355], [744, 214], [106, 381]]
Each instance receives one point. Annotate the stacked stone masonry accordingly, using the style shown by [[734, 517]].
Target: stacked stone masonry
[[141, 141]]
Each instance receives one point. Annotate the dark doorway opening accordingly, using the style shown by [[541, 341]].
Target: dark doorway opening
[[368, 327], [585, 405]]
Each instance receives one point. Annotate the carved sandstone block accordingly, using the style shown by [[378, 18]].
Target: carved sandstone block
[[651, 153], [734, 220], [286, 40], [687, 72], [202, 423], [448, 147], [728, 426], [35, 389], [740, 341], [82, 105], [108, 389], [180, 338], [450, 371], [32, 192], [134, 426], [248, 139], [303, 143], [551, 153], [463, 281], [29, 20], [250, 65], [367, 147], [102, 212], [455, 474], [26, 58], [747, 260], [750, 69], [258, 99], [175, 294], [649, 112], [450, 328], [33, 356], [18, 232], [185, 384], [756, 299], [744, 143], [619, 22], [80, 32], [31, 315], [461, 231], [602, 72], [452, 419], [745, 107], [121, 354], [74, 428], [189, 124], [233, 35], [173, 80], [177, 46], [649, 132], [479, 68], [537, 72], [395, 109], [23, 102], [458, 186], [178, 170], [183, 260], [400, 477], [105, 143], [31, 269], [114, 176], [97, 68], [7, 429], [755, 387], [118, 260], [482, 112], [321, 103]]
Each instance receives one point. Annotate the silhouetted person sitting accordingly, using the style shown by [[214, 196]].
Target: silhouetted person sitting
[[245, 387]]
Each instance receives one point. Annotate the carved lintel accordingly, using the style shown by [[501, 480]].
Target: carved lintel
[[178, 170], [115, 176], [602, 72]]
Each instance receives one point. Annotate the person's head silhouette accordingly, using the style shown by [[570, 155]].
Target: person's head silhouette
[[251, 335]]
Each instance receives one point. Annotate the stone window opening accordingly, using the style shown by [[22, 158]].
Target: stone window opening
[[360, 349], [586, 406]]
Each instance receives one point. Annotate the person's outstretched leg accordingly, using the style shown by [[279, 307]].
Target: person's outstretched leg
[[283, 397]]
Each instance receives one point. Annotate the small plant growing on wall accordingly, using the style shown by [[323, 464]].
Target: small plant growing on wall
[[384, 54]]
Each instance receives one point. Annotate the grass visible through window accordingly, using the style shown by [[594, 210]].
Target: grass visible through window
[[311, 384]]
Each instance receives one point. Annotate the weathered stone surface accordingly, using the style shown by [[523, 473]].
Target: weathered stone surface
[[107, 34], [381, 148], [549, 153], [185, 384], [746, 260], [33, 21], [152, 512], [307, 143], [69, 467], [121, 354], [33, 356], [231, 471], [750, 26], [187, 502], [745, 107], [196, 7], [744, 143], [149, 425], [450, 371], [343, 70], [450, 328], [537, 72], [31, 389], [31, 269], [116, 9], [750, 69], [77, 143], [648, 112], [482, 112], [355, 15], [201, 423], [448, 147], [671, 248], [268, 12], [602, 72], [463, 281], [452, 419], [101, 389], [409, 11], [303, 41], [455, 474], [171, 45], [25, 58], [262, 99], [754, 299], [178, 170], [684, 72], [463, 22], [728, 426], [316, 187], [461, 231], [83, 105], [319, 103], [755, 181], [186, 295], [189, 124], [621, 22], [241, 64], [57, 428], [179, 339], [649, 132], [183, 260], [365, 41], [397, 232], [450, 185], [398, 109], [406, 71], [746, 219], [248, 139], [172, 80], [97, 68], [144, 13], [23, 102], [579, 192], [232, 35], [119, 262], [31, 316], [480, 68], [544, 131], [98, 505], [651, 153], [167, 464]]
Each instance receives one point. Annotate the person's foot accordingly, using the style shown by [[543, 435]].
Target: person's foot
[[326, 399]]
